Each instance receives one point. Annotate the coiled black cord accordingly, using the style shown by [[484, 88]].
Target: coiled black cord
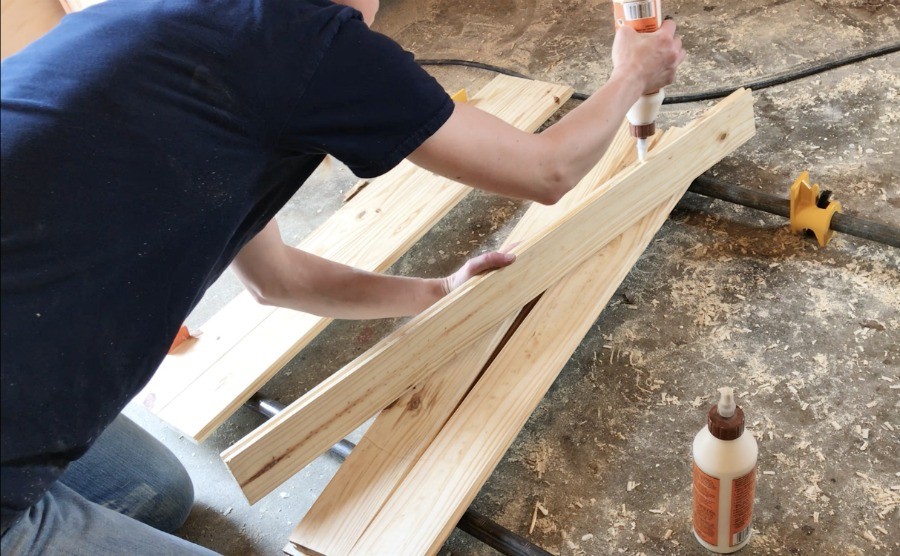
[[771, 81]]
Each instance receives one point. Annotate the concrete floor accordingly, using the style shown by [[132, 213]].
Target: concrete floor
[[724, 295]]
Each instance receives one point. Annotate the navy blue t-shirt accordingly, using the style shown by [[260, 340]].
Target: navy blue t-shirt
[[143, 144]]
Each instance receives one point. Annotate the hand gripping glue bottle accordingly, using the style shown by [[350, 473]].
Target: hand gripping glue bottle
[[724, 478], [644, 16]]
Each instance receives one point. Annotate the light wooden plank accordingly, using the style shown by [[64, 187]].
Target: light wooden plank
[[424, 508], [282, 446], [197, 390], [398, 437], [386, 453], [24, 21]]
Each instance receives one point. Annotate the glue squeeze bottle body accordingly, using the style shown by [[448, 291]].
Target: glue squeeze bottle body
[[724, 478], [644, 16]]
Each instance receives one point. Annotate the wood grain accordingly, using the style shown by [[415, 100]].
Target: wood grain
[[287, 443]]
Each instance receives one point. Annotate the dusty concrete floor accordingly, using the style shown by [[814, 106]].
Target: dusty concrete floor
[[724, 295]]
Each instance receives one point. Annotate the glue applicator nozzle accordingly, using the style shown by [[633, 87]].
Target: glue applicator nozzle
[[726, 404], [641, 149]]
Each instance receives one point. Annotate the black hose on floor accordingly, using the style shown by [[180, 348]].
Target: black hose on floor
[[478, 526], [773, 204], [765, 83], [840, 222]]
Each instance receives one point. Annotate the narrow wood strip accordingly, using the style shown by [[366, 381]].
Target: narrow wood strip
[[397, 438], [280, 447], [240, 351]]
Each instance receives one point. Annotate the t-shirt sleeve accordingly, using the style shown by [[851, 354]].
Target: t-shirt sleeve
[[368, 103]]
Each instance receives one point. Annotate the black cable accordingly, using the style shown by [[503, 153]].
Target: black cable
[[773, 204], [771, 81]]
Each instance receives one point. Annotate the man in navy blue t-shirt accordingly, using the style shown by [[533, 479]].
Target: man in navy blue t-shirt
[[148, 145]]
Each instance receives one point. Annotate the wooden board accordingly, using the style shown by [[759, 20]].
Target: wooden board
[[386, 453], [398, 437], [285, 444], [424, 508], [244, 345], [24, 21]]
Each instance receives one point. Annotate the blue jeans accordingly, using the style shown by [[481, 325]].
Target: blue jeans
[[124, 496]]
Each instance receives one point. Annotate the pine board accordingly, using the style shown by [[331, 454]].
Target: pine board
[[287, 443]]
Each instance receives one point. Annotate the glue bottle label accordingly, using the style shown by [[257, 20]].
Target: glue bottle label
[[641, 15], [706, 506], [742, 491]]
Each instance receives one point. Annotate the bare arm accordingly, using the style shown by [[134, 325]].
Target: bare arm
[[480, 150], [277, 274]]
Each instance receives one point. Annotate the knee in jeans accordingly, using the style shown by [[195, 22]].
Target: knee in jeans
[[173, 501]]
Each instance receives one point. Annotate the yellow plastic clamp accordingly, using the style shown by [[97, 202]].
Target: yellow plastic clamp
[[806, 213]]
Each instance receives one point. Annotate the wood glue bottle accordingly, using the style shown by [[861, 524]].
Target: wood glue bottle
[[724, 478], [644, 16]]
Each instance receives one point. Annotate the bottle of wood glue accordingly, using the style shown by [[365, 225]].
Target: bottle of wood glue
[[724, 478], [644, 16]]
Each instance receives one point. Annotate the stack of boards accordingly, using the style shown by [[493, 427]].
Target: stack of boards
[[453, 386]]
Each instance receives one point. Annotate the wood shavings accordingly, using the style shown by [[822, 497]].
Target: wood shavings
[[836, 426], [587, 537], [869, 537], [631, 485], [538, 507], [668, 534], [533, 519], [539, 459]]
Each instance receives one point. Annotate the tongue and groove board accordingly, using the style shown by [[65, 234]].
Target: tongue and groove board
[[403, 431], [276, 450], [245, 344]]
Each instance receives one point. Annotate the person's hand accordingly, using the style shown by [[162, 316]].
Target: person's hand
[[651, 58], [475, 266]]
